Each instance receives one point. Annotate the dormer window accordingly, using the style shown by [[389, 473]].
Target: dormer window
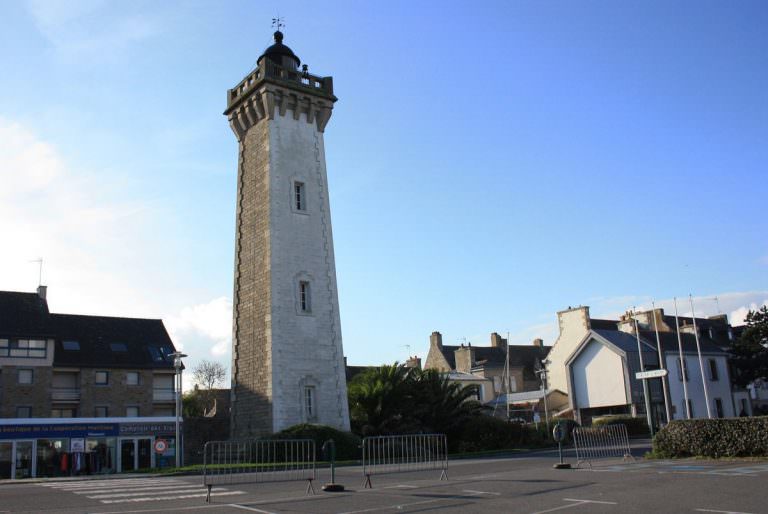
[[70, 346]]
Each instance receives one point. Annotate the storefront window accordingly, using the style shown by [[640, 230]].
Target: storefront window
[[49, 457], [23, 459], [5, 459], [100, 454]]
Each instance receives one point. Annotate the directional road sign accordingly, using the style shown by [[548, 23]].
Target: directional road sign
[[656, 373]]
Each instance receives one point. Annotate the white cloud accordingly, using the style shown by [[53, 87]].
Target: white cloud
[[70, 219], [104, 253], [210, 321], [735, 304]]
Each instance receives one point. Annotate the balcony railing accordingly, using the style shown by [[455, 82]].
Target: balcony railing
[[65, 394], [163, 395], [271, 70]]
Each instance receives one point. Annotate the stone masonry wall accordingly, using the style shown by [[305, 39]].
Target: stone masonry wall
[[251, 352], [35, 395], [307, 347]]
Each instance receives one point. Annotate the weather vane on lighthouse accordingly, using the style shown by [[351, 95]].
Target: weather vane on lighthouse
[[278, 22]]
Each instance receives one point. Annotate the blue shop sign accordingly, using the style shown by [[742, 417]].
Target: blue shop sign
[[58, 430]]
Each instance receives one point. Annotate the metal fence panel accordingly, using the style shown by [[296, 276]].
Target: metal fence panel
[[403, 453], [591, 443], [237, 462]]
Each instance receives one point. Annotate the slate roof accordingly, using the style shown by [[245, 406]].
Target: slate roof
[[524, 356], [625, 341], [144, 342], [603, 324], [628, 342], [669, 342], [23, 314]]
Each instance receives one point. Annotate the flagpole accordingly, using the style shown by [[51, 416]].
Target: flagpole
[[645, 381], [662, 364], [506, 368], [701, 361], [683, 369]]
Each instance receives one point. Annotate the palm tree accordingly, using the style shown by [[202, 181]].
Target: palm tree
[[441, 405], [379, 400]]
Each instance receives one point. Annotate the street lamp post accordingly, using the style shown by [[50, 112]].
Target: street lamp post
[[543, 376], [177, 366]]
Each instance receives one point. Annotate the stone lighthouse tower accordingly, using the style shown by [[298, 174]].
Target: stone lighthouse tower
[[287, 357]]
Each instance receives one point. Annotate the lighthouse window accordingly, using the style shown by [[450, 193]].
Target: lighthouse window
[[299, 196], [304, 296], [309, 402]]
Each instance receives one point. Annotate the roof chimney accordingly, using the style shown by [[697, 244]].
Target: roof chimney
[[538, 342], [497, 341], [436, 339], [413, 362], [42, 291]]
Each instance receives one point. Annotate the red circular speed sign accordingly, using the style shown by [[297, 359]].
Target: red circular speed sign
[[161, 445]]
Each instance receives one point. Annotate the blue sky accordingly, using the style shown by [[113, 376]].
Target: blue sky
[[490, 163]]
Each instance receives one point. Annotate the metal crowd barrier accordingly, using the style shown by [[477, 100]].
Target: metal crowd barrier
[[237, 462], [404, 453], [606, 441]]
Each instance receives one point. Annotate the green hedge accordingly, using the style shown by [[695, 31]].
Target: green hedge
[[484, 433], [347, 443], [635, 425], [730, 437]]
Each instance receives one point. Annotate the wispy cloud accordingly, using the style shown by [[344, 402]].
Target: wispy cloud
[[99, 246], [86, 27], [48, 210]]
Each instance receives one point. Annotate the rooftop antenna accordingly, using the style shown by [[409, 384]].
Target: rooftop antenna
[[39, 260], [717, 302], [278, 22], [409, 349]]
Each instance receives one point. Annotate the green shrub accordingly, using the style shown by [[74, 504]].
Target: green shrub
[[730, 437], [347, 443], [636, 426], [486, 433]]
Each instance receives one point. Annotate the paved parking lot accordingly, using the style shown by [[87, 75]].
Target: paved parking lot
[[519, 484]]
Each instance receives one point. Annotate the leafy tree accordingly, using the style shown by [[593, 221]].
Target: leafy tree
[[191, 404], [207, 375], [749, 353]]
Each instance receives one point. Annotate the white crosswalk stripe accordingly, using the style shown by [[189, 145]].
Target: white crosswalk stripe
[[123, 490]]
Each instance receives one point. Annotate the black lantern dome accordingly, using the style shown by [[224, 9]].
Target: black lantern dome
[[281, 54]]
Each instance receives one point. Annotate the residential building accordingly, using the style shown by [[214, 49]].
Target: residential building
[[97, 389], [595, 361], [490, 361]]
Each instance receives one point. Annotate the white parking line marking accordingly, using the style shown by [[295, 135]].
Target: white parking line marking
[[178, 497], [401, 486], [139, 492], [154, 488], [252, 509], [576, 503], [480, 492], [145, 511], [722, 511]]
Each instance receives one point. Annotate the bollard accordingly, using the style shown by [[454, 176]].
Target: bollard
[[329, 452]]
